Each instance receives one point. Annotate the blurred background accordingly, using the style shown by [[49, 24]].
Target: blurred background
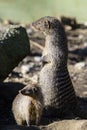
[[29, 10]]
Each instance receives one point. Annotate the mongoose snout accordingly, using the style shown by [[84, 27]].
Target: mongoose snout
[[30, 91]]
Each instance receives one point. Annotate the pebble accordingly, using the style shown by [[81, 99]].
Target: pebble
[[30, 31], [85, 44], [85, 93], [37, 58], [80, 65], [26, 68], [80, 36], [34, 79]]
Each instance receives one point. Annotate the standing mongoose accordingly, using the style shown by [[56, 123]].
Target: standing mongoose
[[28, 105], [57, 89]]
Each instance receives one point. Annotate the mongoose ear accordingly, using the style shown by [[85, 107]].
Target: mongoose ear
[[47, 24]]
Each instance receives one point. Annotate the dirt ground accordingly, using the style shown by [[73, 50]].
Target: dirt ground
[[29, 68]]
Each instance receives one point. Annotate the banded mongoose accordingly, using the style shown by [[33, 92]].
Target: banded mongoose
[[28, 105], [57, 89]]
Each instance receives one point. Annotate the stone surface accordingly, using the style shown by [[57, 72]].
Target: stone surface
[[14, 46], [67, 125], [59, 125], [15, 127]]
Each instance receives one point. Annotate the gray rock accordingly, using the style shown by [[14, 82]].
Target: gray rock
[[15, 127], [9, 90], [80, 65], [14, 46], [37, 58], [26, 68], [67, 125]]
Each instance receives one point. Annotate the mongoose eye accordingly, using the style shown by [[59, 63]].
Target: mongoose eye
[[47, 24]]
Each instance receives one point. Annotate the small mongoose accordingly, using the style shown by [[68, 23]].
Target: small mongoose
[[57, 89], [28, 105]]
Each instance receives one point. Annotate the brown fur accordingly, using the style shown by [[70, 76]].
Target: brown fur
[[28, 105]]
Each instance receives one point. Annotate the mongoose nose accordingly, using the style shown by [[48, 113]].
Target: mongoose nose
[[22, 91]]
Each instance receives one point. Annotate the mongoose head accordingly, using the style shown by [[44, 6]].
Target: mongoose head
[[30, 90], [46, 24]]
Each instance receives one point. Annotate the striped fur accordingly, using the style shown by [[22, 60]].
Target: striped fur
[[55, 81], [57, 89]]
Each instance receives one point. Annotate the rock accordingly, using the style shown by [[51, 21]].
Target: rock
[[9, 90], [27, 68], [69, 21], [37, 58], [67, 125], [59, 125], [80, 65], [30, 31], [14, 46], [15, 127], [34, 79]]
